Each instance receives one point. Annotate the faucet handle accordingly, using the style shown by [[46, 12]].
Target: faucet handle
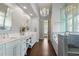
[[3, 35]]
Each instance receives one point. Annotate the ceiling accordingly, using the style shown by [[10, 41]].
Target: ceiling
[[44, 5], [28, 8], [3, 7], [33, 9]]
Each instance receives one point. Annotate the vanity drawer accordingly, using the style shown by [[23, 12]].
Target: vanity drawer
[[1, 50], [23, 41], [12, 43]]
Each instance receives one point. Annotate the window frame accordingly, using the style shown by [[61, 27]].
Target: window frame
[[4, 27]]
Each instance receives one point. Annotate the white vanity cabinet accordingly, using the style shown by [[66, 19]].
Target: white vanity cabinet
[[26, 42], [17, 47], [23, 47], [1, 50], [33, 39], [13, 48]]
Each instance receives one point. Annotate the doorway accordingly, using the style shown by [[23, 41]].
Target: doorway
[[45, 28]]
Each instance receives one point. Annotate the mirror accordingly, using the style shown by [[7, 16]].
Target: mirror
[[5, 17]]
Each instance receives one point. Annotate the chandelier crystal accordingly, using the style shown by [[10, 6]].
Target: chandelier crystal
[[44, 11]]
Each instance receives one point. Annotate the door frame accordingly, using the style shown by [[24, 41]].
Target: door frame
[[49, 23]]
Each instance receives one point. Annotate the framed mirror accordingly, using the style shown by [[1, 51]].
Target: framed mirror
[[5, 18]]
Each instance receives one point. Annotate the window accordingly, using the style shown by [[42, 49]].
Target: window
[[5, 20], [1, 20], [78, 23], [70, 13], [8, 19], [69, 24]]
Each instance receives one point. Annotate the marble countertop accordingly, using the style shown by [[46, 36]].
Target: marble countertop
[[15, 36]]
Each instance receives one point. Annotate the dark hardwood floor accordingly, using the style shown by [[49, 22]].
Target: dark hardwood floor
[[42, 48]]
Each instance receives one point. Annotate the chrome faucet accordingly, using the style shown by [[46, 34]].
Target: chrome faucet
[[3, 35]]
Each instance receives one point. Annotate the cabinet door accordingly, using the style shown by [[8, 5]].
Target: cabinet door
[[33, 40], [16, 49], [10, 48], [23, 47], [1, 50], [4, 49], [9, 51], [13, 48]]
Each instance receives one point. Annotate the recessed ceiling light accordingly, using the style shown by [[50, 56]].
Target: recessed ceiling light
[[25, 7]]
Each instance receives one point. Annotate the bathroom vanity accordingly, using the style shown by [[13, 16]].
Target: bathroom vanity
[[16, 44]]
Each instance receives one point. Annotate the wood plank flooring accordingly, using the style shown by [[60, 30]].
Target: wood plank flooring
[[42, 48]]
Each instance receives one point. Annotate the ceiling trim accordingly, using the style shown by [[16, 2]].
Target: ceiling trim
[[34, 9]]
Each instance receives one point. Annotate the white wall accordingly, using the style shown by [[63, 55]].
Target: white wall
[[35, 25], [18, 19], [55, 20], [55, 23]]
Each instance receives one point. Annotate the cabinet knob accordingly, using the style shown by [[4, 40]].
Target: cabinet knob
[[24, 42], [30, 38]]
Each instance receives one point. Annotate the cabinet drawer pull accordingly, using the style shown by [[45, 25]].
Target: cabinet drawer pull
[[30, 38], [24, 42]]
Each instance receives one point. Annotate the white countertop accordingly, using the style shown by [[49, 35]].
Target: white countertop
[[15, 36]]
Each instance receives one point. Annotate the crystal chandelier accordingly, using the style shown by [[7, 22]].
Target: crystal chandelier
[[44, 11]]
